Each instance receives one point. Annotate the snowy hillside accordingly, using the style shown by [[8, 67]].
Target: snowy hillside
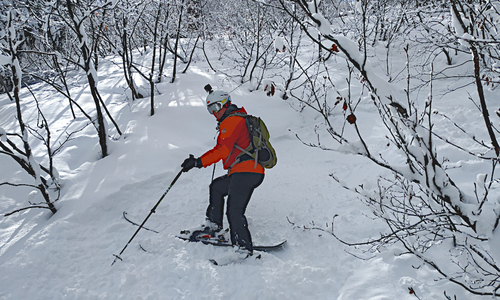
[[69, 255], [426, 183]]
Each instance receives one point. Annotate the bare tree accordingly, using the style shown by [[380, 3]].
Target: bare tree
[[24, 157], [180, 12], [480, 35], [242, 31], [77, 18], [421, 204]]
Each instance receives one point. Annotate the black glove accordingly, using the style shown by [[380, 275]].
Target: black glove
[[190, 163]]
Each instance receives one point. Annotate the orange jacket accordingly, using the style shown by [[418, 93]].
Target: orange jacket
[[232, 131]]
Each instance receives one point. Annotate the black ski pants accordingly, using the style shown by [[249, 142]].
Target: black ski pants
[[238, 187]]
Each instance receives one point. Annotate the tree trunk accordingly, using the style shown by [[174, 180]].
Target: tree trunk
[[482, 100], [16, 76], [90, 70], [176, 47]]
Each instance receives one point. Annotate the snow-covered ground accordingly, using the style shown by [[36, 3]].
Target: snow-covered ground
[[68, 255]]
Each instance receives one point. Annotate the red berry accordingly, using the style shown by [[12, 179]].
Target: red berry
[[351, 119]]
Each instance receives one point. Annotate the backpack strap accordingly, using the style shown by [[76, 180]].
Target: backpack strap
[[247, 153], [238, 159]]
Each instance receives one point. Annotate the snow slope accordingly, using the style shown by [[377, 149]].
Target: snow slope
[[69, 255]]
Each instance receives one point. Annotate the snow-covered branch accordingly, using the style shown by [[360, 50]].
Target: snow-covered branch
[[25, 159], [423, 207]]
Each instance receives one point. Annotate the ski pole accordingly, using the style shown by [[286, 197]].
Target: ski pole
[[153, 210], [213, 172]]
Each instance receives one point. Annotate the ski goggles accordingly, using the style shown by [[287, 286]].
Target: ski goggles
[[214, 107]]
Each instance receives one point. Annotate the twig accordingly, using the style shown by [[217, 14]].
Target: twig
[[25, 208]]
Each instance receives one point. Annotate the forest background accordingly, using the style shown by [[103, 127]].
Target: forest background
[[404, 93]]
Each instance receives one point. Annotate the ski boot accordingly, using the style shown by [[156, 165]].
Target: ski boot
[[208, 231]]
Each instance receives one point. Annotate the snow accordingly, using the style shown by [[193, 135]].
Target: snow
[[69, 255], [359, 6], [3, 135], [19, 73], [459, 30], [324, 26], [279, 44], [112, 2], [5, 60], [311, 5]]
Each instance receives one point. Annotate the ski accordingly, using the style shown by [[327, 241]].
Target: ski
[[132, 222], [231, 261], [216, 242]]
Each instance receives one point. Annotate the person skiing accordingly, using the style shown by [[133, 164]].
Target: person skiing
[[243, 174]]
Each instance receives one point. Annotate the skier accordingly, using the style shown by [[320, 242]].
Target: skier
[[244, 175]]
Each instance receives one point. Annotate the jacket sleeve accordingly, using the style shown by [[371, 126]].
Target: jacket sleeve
[[230, 131]]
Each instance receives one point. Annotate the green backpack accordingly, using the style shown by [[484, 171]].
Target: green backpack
[[260, 148]]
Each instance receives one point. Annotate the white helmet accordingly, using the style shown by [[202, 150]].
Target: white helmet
[[216, 101]]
